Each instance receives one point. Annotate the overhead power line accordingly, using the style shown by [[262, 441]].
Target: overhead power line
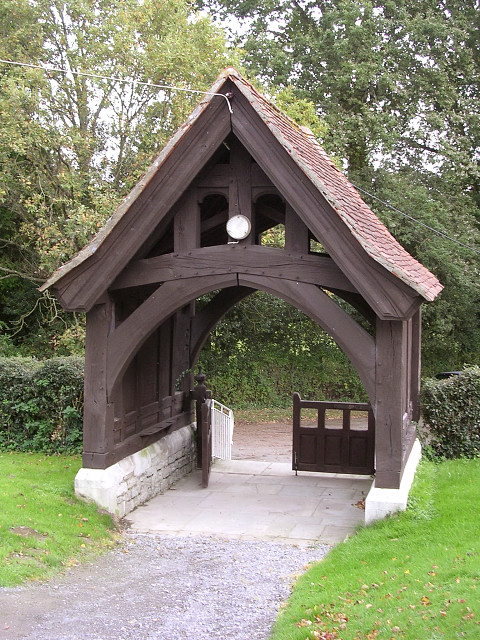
[[422, 224], [129, 81], [133, 82]]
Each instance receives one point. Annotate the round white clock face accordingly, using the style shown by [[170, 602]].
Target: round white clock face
[[238, 227]]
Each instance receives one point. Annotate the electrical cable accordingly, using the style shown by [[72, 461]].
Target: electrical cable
[[409, 217], [227, 98], [119, 80]]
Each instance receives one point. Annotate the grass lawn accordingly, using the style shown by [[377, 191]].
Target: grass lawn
[[43, 527], [413, 576], [255, 415]]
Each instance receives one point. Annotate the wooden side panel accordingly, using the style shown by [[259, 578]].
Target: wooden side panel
[[165, 332], [147, 379], [181, 348]]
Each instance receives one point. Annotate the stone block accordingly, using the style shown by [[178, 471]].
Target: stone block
[[382, 502], [140, 476]]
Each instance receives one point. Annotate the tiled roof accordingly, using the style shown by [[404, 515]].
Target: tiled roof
[[360, 220], [363, 224]]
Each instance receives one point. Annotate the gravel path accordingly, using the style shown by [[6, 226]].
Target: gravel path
[[161, 588]]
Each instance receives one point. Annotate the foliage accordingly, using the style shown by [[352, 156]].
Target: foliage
[[404, 577], [451, 329], [396, 86], [264, 350], [385, 76], [451, 412], [44, 528], [41, 404], [72, 146]]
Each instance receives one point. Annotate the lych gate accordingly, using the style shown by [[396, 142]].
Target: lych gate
[[192, 226]]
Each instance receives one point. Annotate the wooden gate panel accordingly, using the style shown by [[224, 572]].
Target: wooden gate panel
[[330, 449], [206, 442]]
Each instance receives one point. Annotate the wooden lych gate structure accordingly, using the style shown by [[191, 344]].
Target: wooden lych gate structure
[[192, 226]]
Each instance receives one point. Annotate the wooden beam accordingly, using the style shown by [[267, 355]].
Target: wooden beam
[[138, 216], [278, 217], [218, 177], [357, 344], [128, 337], [237, 258], [358, 303], [220, 219]]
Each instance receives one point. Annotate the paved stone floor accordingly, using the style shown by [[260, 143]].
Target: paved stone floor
[[249, 499]]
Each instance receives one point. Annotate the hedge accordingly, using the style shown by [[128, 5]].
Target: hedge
[[41, 404], [451, 413]]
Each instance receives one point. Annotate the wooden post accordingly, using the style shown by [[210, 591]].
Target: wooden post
[[200, 394], [98, 411], [390, 376], [296, 231], [180, 350], [187, 222], [416, 364], [240, 188]]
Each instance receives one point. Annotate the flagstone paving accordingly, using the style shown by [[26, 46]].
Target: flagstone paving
[[249, 499]]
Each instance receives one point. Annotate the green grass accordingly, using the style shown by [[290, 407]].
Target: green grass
[[255, 415], [412, 576], [43, 527]]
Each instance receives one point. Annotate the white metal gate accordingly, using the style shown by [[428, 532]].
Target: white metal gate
[[222, 431]]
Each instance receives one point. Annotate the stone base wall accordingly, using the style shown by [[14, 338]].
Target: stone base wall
[[140, 476], [380, 502]]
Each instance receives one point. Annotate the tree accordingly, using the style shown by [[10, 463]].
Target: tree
[[71, 145], [388, 77], [397, 85]]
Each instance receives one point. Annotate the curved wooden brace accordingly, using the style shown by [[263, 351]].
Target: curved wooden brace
[[124, 342], [356, 343], [205, 320]]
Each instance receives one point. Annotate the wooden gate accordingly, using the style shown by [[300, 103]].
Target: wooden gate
[[206, 436], [336, 450]]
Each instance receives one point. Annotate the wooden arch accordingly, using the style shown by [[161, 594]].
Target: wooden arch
[[126, 340], [167, 244]]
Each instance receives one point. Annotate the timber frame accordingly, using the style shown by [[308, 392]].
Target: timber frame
[[167, 245]]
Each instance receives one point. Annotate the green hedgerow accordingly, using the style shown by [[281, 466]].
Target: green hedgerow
[[451, 412], [41, 404]]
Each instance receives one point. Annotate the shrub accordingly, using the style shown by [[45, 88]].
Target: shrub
[[451, 412], [41, 404]]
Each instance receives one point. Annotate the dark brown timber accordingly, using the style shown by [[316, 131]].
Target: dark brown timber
[[166, 246]]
